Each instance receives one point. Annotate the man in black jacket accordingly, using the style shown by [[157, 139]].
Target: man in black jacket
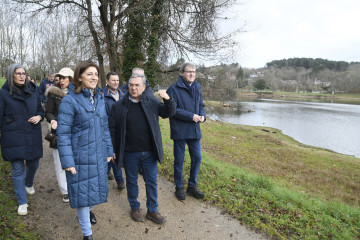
[[136, 137]]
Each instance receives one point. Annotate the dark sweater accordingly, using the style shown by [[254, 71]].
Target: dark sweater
[[138, 135]]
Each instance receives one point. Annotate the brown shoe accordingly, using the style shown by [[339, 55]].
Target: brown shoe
[[120, 185], [155, 217], [110, 176], [136, 215]]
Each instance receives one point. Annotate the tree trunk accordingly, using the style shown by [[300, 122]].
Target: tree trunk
[[97, 44], [153, 42]]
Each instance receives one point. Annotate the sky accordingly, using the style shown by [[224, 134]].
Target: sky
[[278, 29]]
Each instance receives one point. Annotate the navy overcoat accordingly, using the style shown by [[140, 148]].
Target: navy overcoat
[[20, 139]]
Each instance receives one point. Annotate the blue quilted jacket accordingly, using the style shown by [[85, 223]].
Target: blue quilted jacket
[[84, 143]]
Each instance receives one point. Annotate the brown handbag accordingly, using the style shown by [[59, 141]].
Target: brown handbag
[[52, 138]]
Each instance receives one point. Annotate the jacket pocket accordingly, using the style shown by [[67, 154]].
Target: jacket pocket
[[9, 120]]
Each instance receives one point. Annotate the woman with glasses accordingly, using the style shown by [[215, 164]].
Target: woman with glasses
[[54, 96], [21, 140]]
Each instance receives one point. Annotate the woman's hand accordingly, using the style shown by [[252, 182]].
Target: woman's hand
[[113, 158], [35, 119], [71, 169], [109, 159], [53, 124]]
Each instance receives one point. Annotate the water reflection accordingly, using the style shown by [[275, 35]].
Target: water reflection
[[326, 125]]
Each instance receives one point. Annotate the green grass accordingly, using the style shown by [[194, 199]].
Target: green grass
[[2, 81], [327, 95], [11, 224], [274, 184]]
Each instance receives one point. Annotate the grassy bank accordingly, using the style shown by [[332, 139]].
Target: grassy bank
[[274, 184], [337, 95], [2, 81], [346, 97], [11, 224]]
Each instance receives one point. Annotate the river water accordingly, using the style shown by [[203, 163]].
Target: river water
[[332, 126]]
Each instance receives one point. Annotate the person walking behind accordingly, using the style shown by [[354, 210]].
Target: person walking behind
[[84, 144], [135, 133], [112, 94], [45, 84], [54, 96], [185, 128], [21, 139]]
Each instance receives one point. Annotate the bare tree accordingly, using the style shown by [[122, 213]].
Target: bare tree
[[171, 28]]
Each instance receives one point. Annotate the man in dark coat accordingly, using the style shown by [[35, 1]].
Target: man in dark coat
[[45, 84], [135, 133], [112, 94], [185, 128]]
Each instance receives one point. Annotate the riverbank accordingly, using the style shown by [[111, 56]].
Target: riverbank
[[302, 96], [274, 184]]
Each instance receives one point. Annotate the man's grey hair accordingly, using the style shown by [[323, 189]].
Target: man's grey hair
[[135, 75], [9, 74], [139, 69], [186, 64]]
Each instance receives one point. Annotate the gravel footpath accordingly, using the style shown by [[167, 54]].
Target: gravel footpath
[[189, 219]]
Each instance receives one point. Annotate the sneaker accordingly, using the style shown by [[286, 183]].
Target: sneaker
[[180, 193], [65, 198], [30, 190], [194, 191], [155, 217], [110, 176], [121, 185], [22, 210], [136, 215]]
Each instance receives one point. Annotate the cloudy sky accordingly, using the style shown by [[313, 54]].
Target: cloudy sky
[[278, 29]]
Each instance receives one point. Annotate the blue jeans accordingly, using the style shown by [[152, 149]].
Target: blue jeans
[[84, 220], [132, 162], [179, 155], [22, 179], [117, 171]]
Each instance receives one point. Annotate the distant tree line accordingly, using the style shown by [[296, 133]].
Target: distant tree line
[[317, 64], [225, 80]]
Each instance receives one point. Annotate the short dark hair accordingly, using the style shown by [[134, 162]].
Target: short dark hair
[[111, 73]]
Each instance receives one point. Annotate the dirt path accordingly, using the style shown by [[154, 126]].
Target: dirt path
[[189, 219]]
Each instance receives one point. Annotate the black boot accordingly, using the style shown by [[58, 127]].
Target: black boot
[[88, 237], [92, 218], [194, 191]]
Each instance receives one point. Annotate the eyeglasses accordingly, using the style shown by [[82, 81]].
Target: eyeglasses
[[20, 73], [135, 85], [193, 72]]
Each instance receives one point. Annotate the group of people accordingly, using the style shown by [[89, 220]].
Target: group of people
[[93, 130]]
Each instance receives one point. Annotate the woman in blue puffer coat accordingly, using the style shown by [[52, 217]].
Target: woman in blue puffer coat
[[20, 117], [84, 144]]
